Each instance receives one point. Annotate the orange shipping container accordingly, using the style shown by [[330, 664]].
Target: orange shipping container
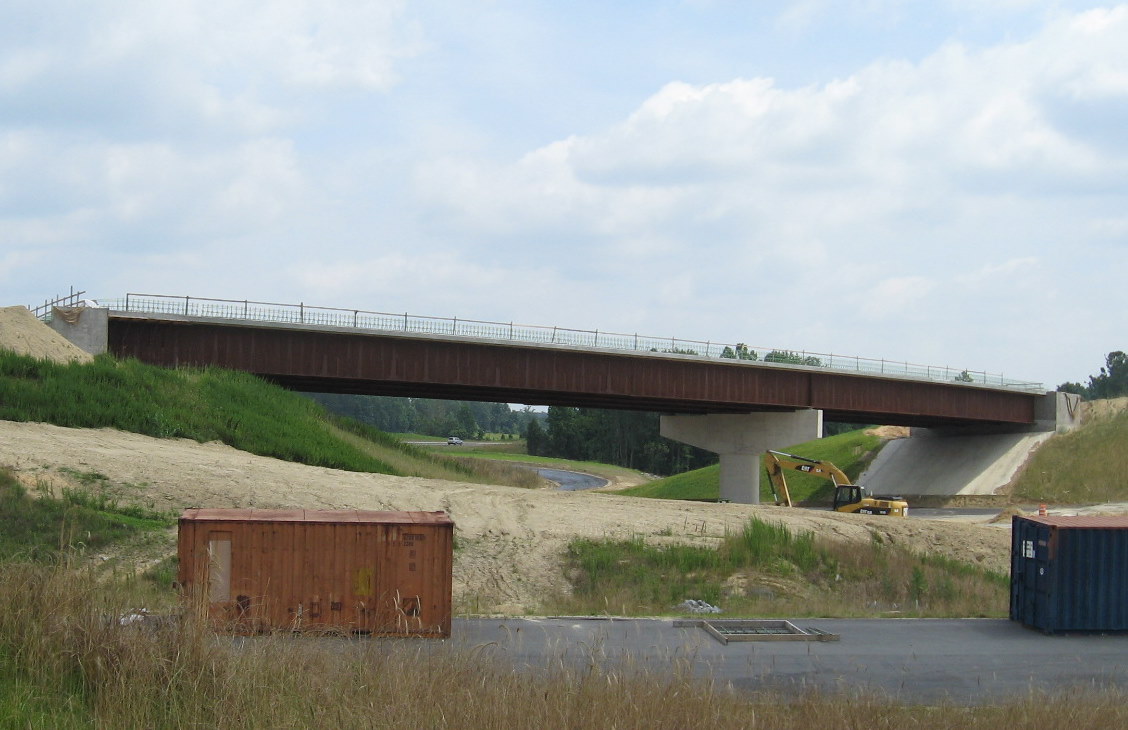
[[384, 573]]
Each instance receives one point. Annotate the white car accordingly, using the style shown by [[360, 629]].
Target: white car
[[454, 441]]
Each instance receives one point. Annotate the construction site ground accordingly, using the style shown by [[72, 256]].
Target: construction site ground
[[511, 541]]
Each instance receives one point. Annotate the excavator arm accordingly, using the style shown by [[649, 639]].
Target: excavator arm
[[777, 461]]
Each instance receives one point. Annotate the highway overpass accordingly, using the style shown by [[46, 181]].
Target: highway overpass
[[728, 398]]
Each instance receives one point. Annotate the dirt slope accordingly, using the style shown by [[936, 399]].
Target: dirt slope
[[511, 540]]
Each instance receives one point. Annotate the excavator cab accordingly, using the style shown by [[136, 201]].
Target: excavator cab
[[845, 494]]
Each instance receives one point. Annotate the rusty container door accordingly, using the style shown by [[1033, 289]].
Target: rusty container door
[[414, 581]]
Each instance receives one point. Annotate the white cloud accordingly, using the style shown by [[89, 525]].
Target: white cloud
[[194, 68], [946, 182], [996, 275], [938, 145], [896, 297]]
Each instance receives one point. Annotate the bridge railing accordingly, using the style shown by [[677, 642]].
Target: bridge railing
[[246, 310], [43, 311]]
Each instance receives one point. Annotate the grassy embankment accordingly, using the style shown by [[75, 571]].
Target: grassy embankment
[[1087, 465], [215, 405]]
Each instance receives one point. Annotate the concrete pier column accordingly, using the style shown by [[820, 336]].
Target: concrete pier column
[[740, 440]]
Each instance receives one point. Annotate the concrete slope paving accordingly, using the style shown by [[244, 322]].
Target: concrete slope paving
[[940, 465]]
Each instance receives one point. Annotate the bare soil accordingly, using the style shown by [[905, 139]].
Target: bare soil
[[511, 541]]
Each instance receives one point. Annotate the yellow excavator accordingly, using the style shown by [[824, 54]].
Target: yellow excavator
[[847, 497]]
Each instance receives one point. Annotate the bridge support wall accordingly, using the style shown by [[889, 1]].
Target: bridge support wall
[[85, 327], [740, 440], [972, 460]]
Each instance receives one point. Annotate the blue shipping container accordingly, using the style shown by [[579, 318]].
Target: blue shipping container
[[1070, 573]]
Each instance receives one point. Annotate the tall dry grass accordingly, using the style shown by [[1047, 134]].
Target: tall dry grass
[[68, 661]]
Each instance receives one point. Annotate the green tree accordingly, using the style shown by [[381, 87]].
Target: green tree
[[1113, 379], [534, 439], [464, 424], [1111, 382], [740, 352], [1075, 388], [627, 438], [564, 434], [792, 358]]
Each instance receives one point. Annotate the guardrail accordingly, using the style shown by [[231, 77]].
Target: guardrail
[[43, 311], [246, 310]]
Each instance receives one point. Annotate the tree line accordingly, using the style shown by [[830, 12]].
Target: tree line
[[464, 419], [1111, 382], [624, 438]]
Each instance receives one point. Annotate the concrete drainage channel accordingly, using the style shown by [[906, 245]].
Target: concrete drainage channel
[[728, 630]]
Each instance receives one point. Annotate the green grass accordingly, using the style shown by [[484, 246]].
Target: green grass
[[24, 704], [418, 437], [699, 484], [1082, 466], [200, 404], [498, 438], [767, 570], [851, 452], [41, 527], [212, 404]]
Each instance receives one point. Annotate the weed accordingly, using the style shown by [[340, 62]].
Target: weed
[[766, 569], [40, 527]]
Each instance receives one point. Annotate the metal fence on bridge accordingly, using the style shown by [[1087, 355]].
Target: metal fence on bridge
[[358, 319]]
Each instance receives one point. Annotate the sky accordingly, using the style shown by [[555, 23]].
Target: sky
[[940, 183]]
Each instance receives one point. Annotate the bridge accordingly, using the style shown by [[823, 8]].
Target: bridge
[[733, 399]]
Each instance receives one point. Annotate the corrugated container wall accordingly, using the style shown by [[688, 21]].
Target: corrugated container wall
[[1070, 573], [385, 573]]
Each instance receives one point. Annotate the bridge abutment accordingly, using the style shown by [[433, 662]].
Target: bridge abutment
[[975, 460], [740, 440], [85, 327]]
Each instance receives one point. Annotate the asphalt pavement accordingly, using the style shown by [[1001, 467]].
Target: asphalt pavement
[[965, 661]]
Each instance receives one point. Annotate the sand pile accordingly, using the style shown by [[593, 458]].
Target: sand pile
[[22, 333]]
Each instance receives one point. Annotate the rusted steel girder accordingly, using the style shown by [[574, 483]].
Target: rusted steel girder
[[318, 360]]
